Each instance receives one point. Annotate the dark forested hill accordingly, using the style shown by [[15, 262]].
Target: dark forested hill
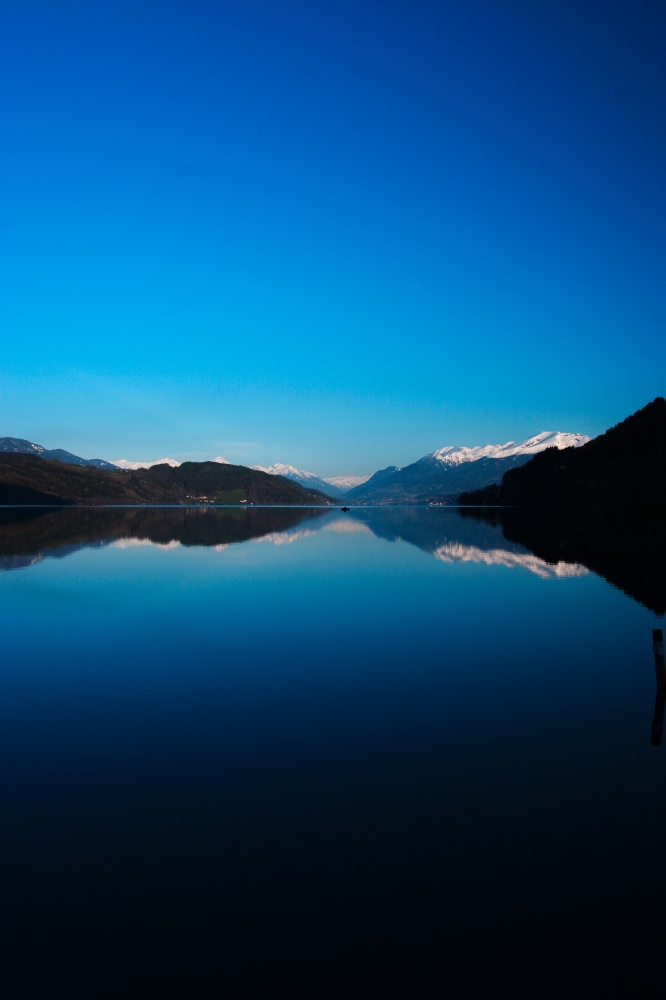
[[621, 470], [26, 479]]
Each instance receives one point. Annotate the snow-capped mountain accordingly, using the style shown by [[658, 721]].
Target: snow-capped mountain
[[344, 483], [280, 469], [335, 486], [19, 446], [441, 475], [457, 454], [123, 463], [308, 479]]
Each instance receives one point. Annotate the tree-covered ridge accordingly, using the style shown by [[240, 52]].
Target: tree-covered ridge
[[26, 479]]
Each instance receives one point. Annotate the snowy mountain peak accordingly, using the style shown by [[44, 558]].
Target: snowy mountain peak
[[346, 482], [20, 446], [457, 455], [280, 469], [336, 486]]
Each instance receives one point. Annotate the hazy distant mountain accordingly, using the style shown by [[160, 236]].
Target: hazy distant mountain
[[123, 463], [309, 480], [19, 446], [443, 474], [346, 483]]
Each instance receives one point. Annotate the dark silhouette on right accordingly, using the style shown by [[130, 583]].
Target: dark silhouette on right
[[619, 473], [602, 505]]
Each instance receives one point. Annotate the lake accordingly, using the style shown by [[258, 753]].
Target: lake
[[302, 752]]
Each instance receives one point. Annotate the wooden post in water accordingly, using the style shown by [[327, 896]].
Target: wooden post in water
[[660, 695]]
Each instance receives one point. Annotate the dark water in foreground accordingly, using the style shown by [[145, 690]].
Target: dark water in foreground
[[283, 753]]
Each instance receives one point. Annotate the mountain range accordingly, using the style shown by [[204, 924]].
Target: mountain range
[[19, 446], [423, 481], [336, 486], [123, 463], [437, 477], [31, 479], [440, 476]]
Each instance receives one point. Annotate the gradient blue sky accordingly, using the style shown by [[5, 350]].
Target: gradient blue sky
[[334, 234]]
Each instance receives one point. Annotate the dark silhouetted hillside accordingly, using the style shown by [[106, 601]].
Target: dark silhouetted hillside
[[26, 479]]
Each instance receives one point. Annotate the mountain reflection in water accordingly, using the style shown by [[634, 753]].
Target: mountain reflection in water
[[26, 537], [629, 555], [280, 748], [627, 552]]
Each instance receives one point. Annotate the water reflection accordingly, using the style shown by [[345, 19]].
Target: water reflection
[[450, 538], [27, 536], [299, 759], [660, 694], [630, 556], [629, 553]]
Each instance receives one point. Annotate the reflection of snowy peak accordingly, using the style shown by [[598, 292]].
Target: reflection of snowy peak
[[457, 455], [454, 552], [286, 537]]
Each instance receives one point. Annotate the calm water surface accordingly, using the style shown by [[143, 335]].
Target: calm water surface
[[270, 753]]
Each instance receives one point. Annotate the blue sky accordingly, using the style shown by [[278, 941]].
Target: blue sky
[[333, 234]]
